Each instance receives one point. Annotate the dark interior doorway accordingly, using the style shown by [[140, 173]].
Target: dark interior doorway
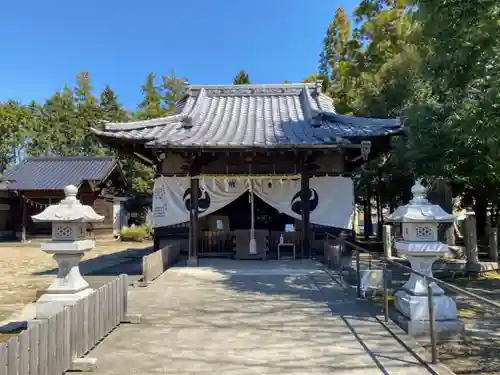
[[266, 217]]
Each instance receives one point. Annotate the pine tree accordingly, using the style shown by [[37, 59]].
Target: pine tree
[[59, 131], [88, 115], [334, 45], [241, 78], [151, 105], [14, 122], [111, 109], [174, 89]]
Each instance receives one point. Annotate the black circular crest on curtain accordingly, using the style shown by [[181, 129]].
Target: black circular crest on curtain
[[203, 200], [296, 202]]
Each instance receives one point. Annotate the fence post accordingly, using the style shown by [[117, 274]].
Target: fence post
[[125, 295], [358, 274], [432, 318], [386, 291]]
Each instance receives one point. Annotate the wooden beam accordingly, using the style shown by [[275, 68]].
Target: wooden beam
[[305, 195], [193, 213]]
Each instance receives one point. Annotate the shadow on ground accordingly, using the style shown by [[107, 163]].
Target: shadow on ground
[[479, 352], [127, 261], [295, 299]]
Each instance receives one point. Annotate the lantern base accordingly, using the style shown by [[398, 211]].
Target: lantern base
[[50, 304], [412, 314], [415, 307], [445, 330]]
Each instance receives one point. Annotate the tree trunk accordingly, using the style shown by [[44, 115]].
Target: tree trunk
[[440, 193], [481, 210]]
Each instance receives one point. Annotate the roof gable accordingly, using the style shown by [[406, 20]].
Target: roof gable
[[54, 173]]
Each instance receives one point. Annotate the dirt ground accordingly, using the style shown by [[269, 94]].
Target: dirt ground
[[480, 352], [26, 269]]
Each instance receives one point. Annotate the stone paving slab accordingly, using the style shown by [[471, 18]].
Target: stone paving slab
[[251, 317]]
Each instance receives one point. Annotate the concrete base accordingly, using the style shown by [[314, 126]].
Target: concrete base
[[446, 330], [416, 308], [132, 319], [482, 267], [140, 284], [84, 365], [50, 304], [192, 261]]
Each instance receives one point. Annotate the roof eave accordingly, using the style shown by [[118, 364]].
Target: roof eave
[[242, 147]]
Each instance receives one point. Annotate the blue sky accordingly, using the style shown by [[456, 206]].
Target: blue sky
[[46, 43]]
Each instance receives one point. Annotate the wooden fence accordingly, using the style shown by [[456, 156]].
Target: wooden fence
[[153, 265], [216, 243], [51, 346]]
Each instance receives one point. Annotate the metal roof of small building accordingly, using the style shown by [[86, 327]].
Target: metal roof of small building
[[55, 173], [251, 116]]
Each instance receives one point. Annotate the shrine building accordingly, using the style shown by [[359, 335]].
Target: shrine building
[[243, 168]]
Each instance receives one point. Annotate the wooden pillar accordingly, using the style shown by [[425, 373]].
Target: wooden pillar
[[156, 236], [24, 220], [193, 221], [306, 225]]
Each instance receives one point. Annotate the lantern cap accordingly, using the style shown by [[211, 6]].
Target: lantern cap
[[419, 209]]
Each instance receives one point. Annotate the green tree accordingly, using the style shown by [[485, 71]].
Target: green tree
[[88, 115], [314, 78], [454, 119], [14, 124], [341, 62], [111, 110], [157, 102], [334, 44], [56, 129], [174, 89], [151, 105], [241, 78]]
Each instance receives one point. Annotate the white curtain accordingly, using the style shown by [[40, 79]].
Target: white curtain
[[331, 200], [172, 198], [331, 203]]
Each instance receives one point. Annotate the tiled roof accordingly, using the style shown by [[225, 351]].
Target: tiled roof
[[54, 173], [250, 116]]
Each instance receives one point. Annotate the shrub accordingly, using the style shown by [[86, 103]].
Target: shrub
[[135, 233]]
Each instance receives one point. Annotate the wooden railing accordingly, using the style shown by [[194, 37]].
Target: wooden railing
[[224, 242], [216, 243], [51, 346]]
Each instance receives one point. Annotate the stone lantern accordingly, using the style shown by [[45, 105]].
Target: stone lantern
[[69, 244], [420, 220]]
